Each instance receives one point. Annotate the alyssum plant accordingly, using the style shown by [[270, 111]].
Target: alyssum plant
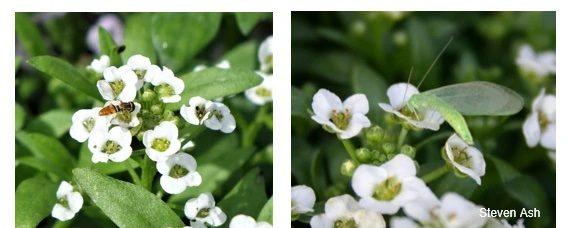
[[383, 170], [147, 103]]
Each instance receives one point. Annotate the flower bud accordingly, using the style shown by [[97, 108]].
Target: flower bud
[[156, 109], [375, 134], [363, 154], [389, 148], [348, 168], [148, 95], [408, 150]]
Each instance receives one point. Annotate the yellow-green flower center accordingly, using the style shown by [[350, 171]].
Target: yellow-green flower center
[[111, 147], [218, 115], [263, 92], [200, 111], [268, 61], [462, 157], [140, 73], [387, 190], [117, 87], [161, 144], [203, 213], [178, 171], [165, 90], [124, 116], [542, 120], [345, 223], [63, 201], [89, 124], [341, 119], [412, 115]]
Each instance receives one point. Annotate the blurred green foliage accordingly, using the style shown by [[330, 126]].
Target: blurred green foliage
[[365, 52]]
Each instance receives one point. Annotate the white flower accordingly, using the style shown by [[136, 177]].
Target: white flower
[[118, 84], [202, 209], [111, 145], [540, 64], [224, 64], [261, 94], [540, 126], [403, 222], [161, 142], [399, 94], [197, 111], [85, 122], [196, 224], [495, 223], [347, 118], [457, 212], [387, 188], [303, 199], [343, 211], [69, 202], [168, 86], [466, 159], [99, 65], [220, 118], [143, 69], [178, 172], [265, 55], [125, 119], [244, 221]]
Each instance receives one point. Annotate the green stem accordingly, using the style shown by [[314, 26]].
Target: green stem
[[432, 138], [132, 173], [401, 137], [148, 172], [251, 131], [160, 194], [435, 174], [350, 149]]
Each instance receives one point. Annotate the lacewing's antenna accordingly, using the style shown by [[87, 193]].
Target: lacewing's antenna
[[435, 60], [408, 82]]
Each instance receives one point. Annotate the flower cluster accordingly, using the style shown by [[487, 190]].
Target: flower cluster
[[539, 64]]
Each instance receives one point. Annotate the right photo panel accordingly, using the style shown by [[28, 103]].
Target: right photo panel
[[423, 119]]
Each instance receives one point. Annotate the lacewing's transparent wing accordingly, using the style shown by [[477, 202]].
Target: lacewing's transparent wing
[[480, 98]]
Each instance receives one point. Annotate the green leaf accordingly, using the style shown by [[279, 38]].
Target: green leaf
[[20, 116], [29, 35], [47, 148], [54, 123], [247, 197], [266, 212], [300, 103], [243, 56], [42, 165], [108, 47], [215, 166], [247, 21], [178, 37], [137, 40], [65, 72], [213, 83], [35, 198], [18, 62], [126, 204], [480, 98], [365, 80]]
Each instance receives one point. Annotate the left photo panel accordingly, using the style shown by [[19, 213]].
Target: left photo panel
[[143, 119]]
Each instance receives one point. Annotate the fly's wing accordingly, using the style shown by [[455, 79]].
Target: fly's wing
[[480, 98]]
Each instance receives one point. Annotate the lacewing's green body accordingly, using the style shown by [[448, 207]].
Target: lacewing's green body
[[450, 114]]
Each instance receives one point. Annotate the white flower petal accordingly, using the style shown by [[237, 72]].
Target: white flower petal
[[61, 213], [321, 221], [400, 93], [172, 185], [548, 138], [365, 179], [324, 102], [75, 201], [338, 206], [242, 221], [402, 222], [303, 199], [531, 130], [64, 189], [357, 104]]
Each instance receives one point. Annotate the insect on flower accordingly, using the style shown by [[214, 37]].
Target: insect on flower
[[112, 108]]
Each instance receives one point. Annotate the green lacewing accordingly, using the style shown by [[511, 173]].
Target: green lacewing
[[470, 98]]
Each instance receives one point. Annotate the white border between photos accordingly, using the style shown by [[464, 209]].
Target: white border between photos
[[281, 16]]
